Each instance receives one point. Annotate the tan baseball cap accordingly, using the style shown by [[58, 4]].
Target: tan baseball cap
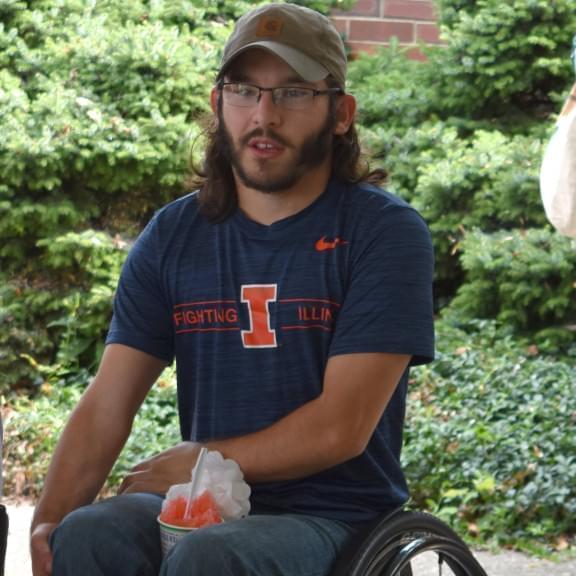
[[305, 39]]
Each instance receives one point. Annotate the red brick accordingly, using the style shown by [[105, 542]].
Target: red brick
[[361, 8], [380, 31], [428, 33], [410, 9], [359, 47]]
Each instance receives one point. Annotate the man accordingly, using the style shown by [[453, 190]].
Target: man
[[293, 297]]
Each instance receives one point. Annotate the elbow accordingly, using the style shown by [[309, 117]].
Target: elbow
[[348, 442], [358, 443]]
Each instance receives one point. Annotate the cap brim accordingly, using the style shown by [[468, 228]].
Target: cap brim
[[304, 66]]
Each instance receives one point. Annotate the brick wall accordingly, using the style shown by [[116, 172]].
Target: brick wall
[[372, 23]]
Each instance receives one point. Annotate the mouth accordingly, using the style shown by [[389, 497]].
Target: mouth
[[265, 148]]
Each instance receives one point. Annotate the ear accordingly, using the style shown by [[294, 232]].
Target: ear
[[345, 112], [214, 95]]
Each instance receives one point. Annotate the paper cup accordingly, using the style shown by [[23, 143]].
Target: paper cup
[[170, 534]]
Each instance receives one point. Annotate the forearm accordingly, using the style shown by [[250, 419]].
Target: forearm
[[81, 463], [327, 431], [570, 102], [302, 443]]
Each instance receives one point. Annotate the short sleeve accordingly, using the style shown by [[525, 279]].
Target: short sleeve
[[142, 312], [388, 305]]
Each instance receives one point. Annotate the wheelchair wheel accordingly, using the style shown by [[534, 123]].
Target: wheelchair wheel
[[414, 544]]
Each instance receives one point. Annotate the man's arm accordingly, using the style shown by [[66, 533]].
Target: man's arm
[[570, 102], [94, 436], [558, 171], [322, 433]]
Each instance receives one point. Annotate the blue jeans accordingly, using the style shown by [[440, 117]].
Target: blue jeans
[[120, 537]]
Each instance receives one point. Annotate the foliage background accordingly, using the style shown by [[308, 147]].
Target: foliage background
[[101, 109]]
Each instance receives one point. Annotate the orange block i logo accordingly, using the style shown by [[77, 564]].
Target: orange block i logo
[[258, 298]]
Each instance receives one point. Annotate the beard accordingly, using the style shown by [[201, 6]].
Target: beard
[[312, 154]]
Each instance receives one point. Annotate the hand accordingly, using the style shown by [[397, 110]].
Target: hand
[[157, 474], [40, 549]]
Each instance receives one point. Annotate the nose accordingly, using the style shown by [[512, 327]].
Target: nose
[[266, 113]]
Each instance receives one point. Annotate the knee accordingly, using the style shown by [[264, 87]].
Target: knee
[[75, 529], [105, 538], [199, 553], [72, 543]]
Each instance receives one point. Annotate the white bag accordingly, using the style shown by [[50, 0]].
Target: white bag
[[225, 481], [558, 177]]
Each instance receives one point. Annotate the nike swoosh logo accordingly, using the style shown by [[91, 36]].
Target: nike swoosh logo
[[324, 244]]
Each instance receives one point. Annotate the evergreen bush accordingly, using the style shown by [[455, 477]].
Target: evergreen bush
[[521, 278], [54, 322], [504, 57]]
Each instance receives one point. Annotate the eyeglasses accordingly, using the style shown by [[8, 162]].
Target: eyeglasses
[[245, 95]]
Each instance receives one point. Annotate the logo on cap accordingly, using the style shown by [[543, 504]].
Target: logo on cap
[[268, 26]]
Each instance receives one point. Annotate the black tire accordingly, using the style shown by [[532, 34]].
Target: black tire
[[460, 560], [390, 546]]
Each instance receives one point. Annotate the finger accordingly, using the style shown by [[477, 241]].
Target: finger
[[42, 566], [129, 479], [134, 478], [48, 565], [144, 484], [138, 486], [41, 552], [131, 488], [141, 465]]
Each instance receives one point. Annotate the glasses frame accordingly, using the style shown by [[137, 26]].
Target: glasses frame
[[260, 89]]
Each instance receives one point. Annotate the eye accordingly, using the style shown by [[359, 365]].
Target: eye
[[293, 93], [242, 90]]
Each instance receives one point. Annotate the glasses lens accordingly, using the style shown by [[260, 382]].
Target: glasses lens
[[242, 95], [293, 98]]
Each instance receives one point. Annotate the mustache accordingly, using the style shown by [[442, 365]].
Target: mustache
[[268, 134]]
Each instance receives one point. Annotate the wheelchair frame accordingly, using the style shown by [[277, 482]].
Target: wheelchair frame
[[388, 547]]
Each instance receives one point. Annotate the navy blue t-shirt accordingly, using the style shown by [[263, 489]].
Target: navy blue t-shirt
[[253, 312]]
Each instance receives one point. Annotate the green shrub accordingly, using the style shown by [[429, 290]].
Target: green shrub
[[32, 429], [488, 180], [21, 335], [503, 56], [393, 91], [107, 125], [524, 279], [489, 444], [59, 318]]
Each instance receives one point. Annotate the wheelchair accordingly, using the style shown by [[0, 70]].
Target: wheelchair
[[403, 543]]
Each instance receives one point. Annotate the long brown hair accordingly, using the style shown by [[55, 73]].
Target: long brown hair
[[215, 180]]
